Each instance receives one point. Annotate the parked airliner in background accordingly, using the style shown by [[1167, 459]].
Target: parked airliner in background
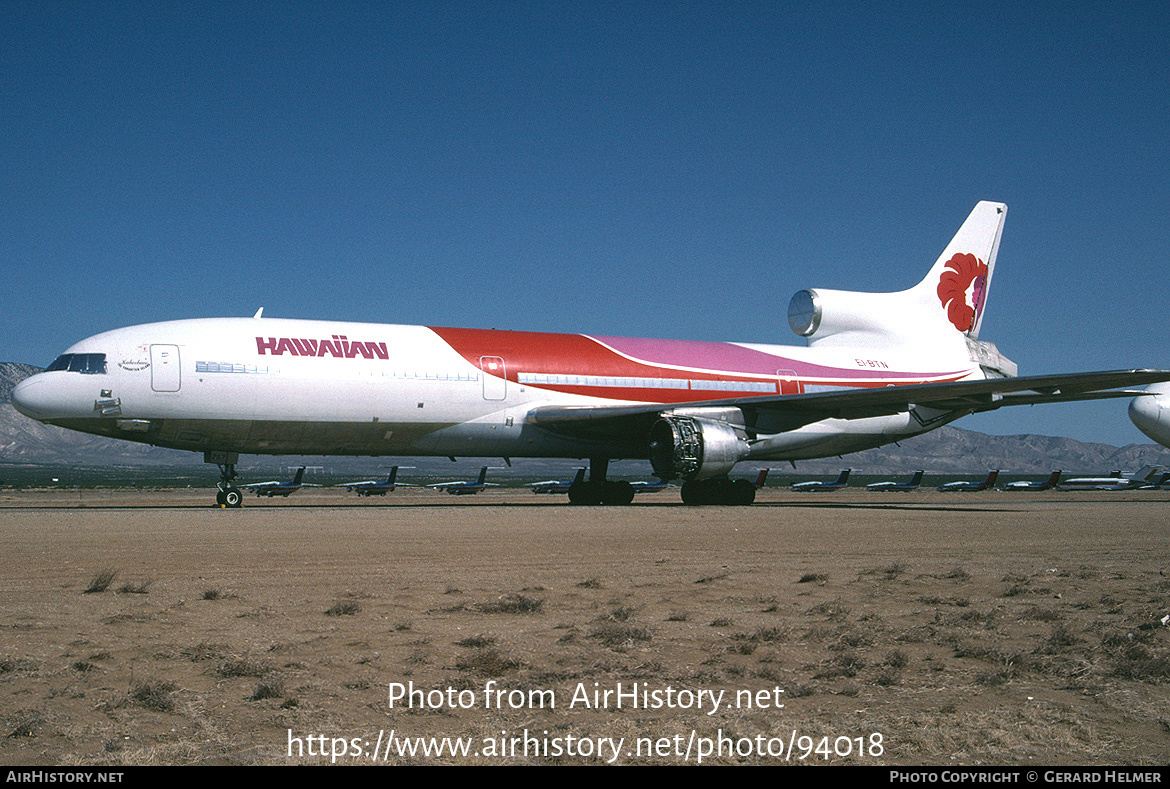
[[566, 485], [898, 487], [465, 487], [376, 487], [1161, 483], [277, 487], [1047, 484], [879, 367], [650, 487], [761, 478], [558, 485], [1116, 481], [814, 486], [1151, 414], [970, 487]]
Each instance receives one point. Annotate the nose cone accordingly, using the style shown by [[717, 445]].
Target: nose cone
[[1151, 413], [34, 398]]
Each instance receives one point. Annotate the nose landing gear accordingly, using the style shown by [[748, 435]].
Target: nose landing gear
[[227, 495]]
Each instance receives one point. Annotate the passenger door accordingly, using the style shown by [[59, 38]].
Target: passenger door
[[164, 368]]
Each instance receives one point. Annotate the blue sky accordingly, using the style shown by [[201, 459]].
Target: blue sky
[[662, 169]]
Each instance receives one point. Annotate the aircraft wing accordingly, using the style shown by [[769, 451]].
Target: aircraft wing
[[793, 411]]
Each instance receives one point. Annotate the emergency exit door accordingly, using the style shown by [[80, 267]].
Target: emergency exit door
[[495, 377]]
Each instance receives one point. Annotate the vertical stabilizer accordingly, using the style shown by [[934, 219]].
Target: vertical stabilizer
[[941, 314], [959, 281]]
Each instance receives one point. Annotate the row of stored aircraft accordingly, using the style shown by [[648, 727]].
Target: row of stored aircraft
[[1148, 478], [877, 368], [370, 487], [1142, 479], [380, 487]]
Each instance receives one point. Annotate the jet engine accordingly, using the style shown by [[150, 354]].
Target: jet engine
[[695, 448], [821, 314]]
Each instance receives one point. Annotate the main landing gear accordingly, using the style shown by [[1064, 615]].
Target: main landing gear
[[719, 490], [599, 490], [716, 490]]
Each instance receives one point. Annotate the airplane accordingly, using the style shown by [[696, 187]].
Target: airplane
[[878, 368], [1151, 413], [822, 485], [650, 487], [567, 486], [465, 487], [376, 487], [1118, 480], [276, 487], [970, 487], [912, 484], [558, 485], [758, 482], [1163, 483], [1047, 484]]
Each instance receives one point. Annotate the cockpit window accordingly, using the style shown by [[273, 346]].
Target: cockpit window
[[87, 363]]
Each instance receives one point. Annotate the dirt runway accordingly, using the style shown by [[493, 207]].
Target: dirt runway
[[506, 628]]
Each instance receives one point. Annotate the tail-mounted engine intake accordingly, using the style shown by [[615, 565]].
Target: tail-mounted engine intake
[[851, 317], [694, 448]]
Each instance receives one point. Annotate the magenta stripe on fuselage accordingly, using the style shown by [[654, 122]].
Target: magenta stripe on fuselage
[[726, 357]]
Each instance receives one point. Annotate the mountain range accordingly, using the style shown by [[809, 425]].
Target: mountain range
[[949, 449]]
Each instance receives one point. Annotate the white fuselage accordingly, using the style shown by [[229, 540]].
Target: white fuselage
[[273, 386]]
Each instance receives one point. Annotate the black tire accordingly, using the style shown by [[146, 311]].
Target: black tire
[[694, 493], [585, 493], [743, 492], [619, 493], [233, 498]]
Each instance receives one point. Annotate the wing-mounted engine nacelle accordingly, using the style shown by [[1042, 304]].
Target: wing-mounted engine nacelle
[[695, 448]]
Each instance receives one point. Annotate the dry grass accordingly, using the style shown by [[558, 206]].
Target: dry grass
[[910, 636]]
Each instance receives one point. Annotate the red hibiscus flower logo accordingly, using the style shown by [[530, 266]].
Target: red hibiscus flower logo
[[962, 271]]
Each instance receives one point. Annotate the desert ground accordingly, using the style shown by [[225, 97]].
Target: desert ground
[[146, 627]]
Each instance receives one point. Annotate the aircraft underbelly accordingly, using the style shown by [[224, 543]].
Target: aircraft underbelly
[[374, 438]]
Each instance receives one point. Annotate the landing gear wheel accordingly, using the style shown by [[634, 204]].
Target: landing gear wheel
[[233, 498], [599, 490], [696, 492], [742, 493], [585, 493], [620, 493], [228, 495], [719, 490]]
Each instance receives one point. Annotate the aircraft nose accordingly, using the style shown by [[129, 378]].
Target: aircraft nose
[[32, 397]]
